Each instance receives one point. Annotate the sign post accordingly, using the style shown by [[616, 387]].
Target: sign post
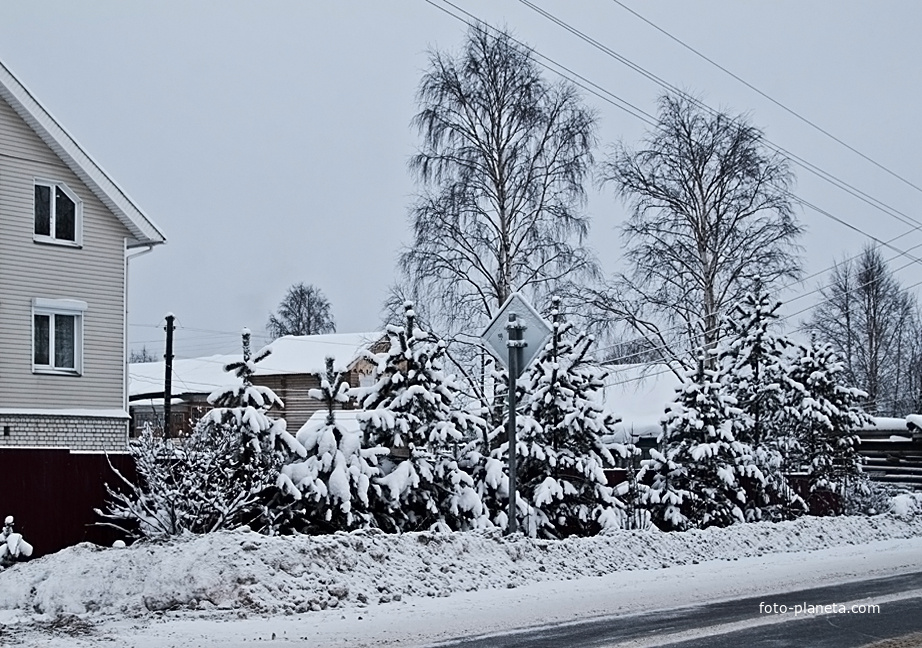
[[514, 345], [515, 336]]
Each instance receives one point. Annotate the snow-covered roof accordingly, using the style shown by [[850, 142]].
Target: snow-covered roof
[[638, 394], [885, 423], [190, 376], [292, 354], [299, 354], [144, 231]]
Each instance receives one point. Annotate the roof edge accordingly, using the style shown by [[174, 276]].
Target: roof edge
[[143, 230]]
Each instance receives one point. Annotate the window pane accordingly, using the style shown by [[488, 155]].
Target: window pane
[[64, 341], [43, 210], [65, 216], [40, 352]]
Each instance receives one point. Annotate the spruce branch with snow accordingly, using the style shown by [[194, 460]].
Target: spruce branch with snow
[[335, 483], [412, 409], [13, 547]]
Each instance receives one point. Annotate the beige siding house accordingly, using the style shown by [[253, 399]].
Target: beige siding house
[[65, 234]]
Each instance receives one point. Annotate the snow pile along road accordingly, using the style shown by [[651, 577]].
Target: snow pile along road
[[248, 572]]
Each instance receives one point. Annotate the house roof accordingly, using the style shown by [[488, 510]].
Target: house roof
[[292, 354], [298, 354], [143, 230], [190, 376]]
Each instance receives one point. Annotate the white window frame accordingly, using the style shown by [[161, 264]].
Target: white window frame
[[78, 214], [52, 307]]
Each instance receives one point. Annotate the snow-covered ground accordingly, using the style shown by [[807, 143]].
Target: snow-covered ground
[[372, 589]]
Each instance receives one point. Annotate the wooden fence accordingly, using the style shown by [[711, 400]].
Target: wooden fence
[[52, 494]]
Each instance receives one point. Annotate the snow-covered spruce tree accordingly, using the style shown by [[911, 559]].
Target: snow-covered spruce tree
[[561, 458], [412, 409], [252, 448], [483, 461], [824, 415], [755, 368], [334, 484], [696, 471]]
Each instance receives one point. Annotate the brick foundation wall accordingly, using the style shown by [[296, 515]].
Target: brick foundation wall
[[78, 433]]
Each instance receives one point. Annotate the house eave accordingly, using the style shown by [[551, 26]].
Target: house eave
[[143, 230]]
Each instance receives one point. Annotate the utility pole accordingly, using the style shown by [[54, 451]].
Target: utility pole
[[168, 377]]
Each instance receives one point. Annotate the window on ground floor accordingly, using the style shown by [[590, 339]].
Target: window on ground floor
[[57, 336]]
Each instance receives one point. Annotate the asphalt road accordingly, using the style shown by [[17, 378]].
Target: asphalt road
[[713, 624]]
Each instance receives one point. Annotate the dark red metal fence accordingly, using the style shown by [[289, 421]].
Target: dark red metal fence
[[52, 495]]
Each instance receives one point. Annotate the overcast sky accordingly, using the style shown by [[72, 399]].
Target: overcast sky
[[269, 139]]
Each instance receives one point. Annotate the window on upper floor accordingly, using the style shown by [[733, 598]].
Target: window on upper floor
[[57, 336], [58, 214]]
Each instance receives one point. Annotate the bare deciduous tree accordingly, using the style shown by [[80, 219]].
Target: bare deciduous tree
[[304, 311], [141, 356], [502, 163], [710, 212], [872, 324]]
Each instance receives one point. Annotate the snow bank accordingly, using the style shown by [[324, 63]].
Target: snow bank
[[248, 572], [906, 505]]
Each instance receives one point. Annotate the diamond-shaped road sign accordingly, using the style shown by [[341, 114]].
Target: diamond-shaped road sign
[[534, 334]]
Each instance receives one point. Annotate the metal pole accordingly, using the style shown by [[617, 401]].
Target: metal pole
[[514, 344], [168, 377]]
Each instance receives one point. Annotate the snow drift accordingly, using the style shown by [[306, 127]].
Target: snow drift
[[251, 573]]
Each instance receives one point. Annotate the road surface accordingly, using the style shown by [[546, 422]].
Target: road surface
[[745, 622]]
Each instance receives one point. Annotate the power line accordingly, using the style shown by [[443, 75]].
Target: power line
[[787, 109], [806, 165]]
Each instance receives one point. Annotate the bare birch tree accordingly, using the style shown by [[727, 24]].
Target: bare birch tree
[[872, 324], [502, 163], [304, 310], [710, 212]]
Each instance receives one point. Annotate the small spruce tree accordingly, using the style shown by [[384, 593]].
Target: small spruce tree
[[412, 409], [561, 456], [253, 447], [696, 472], [825, 415], [334, 485], [222, 476], [755, 372]]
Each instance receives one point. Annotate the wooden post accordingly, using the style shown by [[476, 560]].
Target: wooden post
[[168, 377]]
